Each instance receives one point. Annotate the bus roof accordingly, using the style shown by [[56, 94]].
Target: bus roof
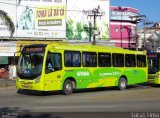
[[90, 47]]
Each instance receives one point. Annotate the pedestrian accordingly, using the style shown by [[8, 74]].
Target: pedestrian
[[10, 68], [14, 71]]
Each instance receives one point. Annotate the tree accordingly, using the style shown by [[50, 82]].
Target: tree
[[8, 21]]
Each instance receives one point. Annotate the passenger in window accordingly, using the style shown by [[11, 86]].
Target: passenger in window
[[103, 63], [49, 64], [68, 62], [121, 63], [76, 63], [127, 63]]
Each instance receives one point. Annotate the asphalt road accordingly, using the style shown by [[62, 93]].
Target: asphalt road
[[144, 100]]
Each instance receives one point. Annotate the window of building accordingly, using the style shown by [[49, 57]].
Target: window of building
[[89, 59], [104, 59], [115, 29], [118, 60]]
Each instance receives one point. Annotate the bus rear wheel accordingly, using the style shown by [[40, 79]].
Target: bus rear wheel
[[122, 83], [67, 87]]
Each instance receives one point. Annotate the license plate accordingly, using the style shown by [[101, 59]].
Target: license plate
[[26, 86]]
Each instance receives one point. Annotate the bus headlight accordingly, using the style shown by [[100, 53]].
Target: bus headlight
[[18, 80], [157, 76], [37, 79]]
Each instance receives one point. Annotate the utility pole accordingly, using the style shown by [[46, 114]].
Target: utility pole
[[145, 29], [89, 29], [137, 20], [94, 13]]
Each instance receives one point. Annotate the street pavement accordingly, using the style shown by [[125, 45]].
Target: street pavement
[[5, 83], [138, 101]]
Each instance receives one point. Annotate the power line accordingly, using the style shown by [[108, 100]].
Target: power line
[[38, 7], [94, 13]]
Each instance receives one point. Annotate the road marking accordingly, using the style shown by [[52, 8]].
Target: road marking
[[72, 107]]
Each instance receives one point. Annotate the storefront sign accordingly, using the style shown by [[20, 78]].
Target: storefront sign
[[122, 15], [7, 49], [35, 18]]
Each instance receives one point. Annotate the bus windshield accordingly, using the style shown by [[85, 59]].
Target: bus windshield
[[153, 64], [30, 63]]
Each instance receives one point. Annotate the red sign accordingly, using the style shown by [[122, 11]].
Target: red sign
[[34, 49]]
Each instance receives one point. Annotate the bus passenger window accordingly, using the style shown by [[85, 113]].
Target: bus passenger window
[[53, 62], [141, 61], [48, 61], [72, 58], [89, 59], [104, 59], [118, 60], [49, 64], [68, 62], [130, 60]]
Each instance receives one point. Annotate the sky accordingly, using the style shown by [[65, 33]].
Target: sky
[[150, 8]]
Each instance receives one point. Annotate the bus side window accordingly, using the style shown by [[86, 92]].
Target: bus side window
[[49, 62], [68, 62], [104, 59], [53, 62], [141, 61], [72, 58], [130, 60], [118, 60], [76, 63], [89, 59]]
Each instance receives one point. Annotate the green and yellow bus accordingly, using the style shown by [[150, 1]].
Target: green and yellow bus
[[65, 67], [154, 68]]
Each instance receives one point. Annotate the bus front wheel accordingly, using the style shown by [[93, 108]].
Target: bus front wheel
[[67, 87], [122, 83]]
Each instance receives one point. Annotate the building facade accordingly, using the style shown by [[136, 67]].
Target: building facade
[[123, 26], [149, 39]]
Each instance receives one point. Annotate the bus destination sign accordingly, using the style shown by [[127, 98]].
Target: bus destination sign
[[34, 49]]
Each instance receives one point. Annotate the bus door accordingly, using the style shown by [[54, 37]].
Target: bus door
[[53, 71], [153, 68], [153, 63]]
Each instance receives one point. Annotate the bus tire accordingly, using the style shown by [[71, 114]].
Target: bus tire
[[67, 87], [122, 85]]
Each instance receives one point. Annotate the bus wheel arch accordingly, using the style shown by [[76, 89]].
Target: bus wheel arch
[[68, 86], [122, 83]]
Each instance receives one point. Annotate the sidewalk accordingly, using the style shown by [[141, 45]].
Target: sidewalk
[[5, 83]]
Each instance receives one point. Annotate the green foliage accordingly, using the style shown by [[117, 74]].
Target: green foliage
[[70, 29], [78, 32], [8, 21]]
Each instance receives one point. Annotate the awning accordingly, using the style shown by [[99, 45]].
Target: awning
[[3, 60]]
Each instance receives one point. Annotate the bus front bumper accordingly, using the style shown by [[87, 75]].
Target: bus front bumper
[[29, 85], [154, 78]]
